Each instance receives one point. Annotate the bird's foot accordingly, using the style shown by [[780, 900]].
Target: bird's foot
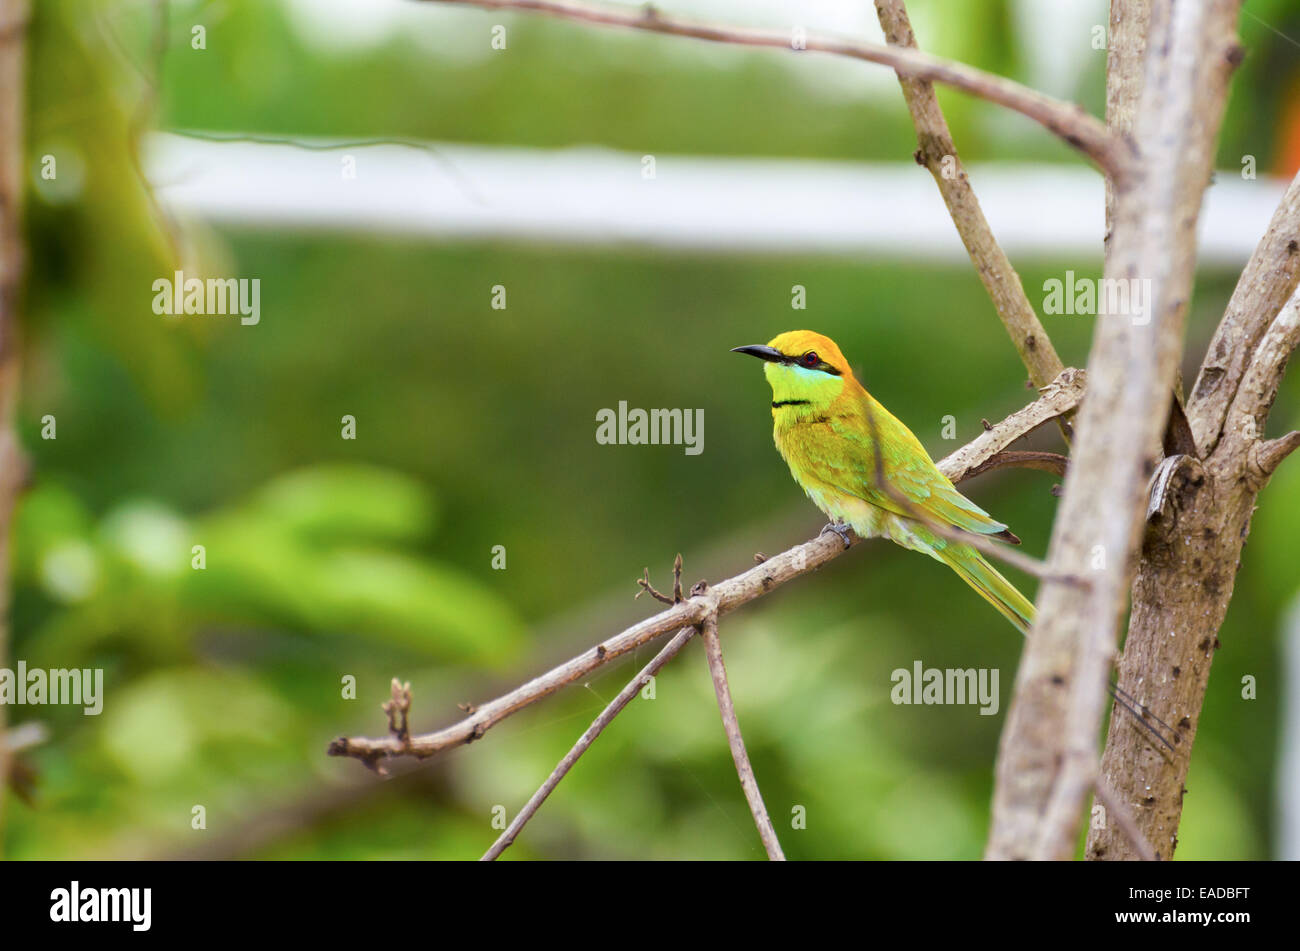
[[840, 530]]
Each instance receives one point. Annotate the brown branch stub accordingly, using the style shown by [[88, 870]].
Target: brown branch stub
[[1066, 120], [731, 725], [1063, 395], [1269, 455], [368, 752], [397, 709]]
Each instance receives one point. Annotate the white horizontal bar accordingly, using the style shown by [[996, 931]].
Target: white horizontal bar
[[590, 196]]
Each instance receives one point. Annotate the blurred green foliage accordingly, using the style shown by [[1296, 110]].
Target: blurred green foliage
[[329, 558]]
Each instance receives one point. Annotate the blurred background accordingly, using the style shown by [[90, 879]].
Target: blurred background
[[524, 168]]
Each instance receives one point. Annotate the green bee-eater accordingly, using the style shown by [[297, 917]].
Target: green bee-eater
[[865, 469]]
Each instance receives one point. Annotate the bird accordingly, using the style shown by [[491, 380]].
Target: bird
[[867, 471]]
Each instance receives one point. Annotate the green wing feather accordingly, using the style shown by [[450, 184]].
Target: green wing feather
[[906, 466], [870, 446]]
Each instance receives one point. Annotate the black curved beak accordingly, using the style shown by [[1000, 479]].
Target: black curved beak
[[770, 354]]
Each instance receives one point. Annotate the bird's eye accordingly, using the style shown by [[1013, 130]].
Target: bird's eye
[[810, 359]]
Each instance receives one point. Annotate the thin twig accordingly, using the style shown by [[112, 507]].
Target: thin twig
[[648, 588], [606, 717], [713, 647], [1068, 121], [1052, 462]]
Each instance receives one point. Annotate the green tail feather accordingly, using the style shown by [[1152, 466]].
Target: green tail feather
[[991, 586]]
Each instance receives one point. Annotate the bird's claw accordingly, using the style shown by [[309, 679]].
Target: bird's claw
[[840, 530]]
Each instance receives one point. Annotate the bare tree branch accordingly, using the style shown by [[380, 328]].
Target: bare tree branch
[[1248, 411], [937, 152], [1066, 120], [718, 670], [1268, 281], [1060, 397], [614, 708]]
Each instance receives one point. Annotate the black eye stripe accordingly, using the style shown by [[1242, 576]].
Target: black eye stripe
[[810, 360]]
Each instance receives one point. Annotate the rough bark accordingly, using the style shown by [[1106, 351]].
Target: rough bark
[[1125, 57]]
